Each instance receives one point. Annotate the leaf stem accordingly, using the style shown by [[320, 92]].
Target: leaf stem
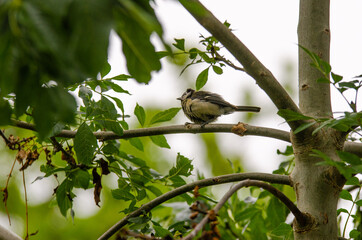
[[350, 211]]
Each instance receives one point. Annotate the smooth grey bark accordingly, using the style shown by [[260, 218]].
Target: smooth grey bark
[[317, 187]]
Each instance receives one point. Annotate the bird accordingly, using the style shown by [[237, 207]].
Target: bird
[[203, 107]]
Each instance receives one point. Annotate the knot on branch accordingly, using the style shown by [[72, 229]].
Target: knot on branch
[[239, 129], [306, 225]]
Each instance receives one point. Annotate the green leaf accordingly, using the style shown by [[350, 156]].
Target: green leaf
[[105, 70], [141, 194], [121, 77], [161, 232], [290, 115], [110, 149], [276, 212], [91, 24], [52, 105], [342, 210], [133, 159], [108, 108], [115, 87], [85, 144], [347, 84], [227, 24], [85, 94], [119, 104], [283, 229], [81, 178], [217, 70], [354, 234], [353, 181], [122, 194], [162, 54], [160, 141], [140, 114], [326, 67], [136, 142], [64, 196], [346, 195], [193, 53], [349, 158], [164, 116], [248, 213], [336, 78], [6, 111], [136, 22], [288, 151], [111, 125], [359, 203], [206, 58], [322, 125], [177, 181], [183, 167], [202, 79], [180, 44], [157, 192], [303, 127]]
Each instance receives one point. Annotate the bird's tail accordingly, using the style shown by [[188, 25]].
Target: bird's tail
[[247, 109]]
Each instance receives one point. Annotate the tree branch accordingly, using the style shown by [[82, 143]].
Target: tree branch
[[272, 178], [263, 77], [240, 129], [301, 218]]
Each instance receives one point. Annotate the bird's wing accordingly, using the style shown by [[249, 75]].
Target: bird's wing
[[204, 109], [211, 98]]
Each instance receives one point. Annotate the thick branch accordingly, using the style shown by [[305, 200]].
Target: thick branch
[[301, 218], [263, 77], [272, 178]]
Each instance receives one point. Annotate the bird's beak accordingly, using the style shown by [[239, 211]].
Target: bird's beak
[[179, 98]]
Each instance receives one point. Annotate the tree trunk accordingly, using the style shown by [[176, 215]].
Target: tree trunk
[[317, 187]]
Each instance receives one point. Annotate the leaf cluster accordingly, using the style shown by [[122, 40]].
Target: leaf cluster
[[351, 121], [49, 46], [209, 56]]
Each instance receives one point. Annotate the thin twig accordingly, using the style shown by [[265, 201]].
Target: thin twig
[[138, 235], [272, 178], [6, 189], [301, 218], [7, 141], [227, 62], [26, 205]]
